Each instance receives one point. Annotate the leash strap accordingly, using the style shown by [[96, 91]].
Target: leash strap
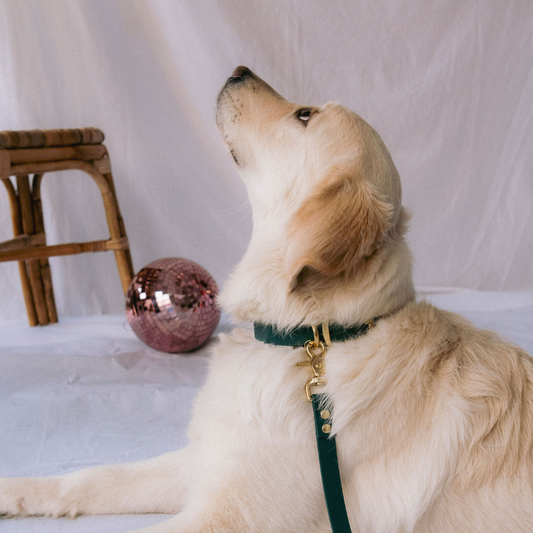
[[329, 466]]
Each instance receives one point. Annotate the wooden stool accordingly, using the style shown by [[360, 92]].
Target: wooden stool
[[25, 153]]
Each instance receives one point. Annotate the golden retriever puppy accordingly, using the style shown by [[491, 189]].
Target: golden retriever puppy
[[433, 417]]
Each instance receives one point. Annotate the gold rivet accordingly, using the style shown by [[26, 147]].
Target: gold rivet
[[325, 414], [326, 428]]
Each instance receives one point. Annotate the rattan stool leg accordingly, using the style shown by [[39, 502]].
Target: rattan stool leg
[[16, 219], [117, 230], [46, 274], [28, 294], [124, 255], [34, 265], [125, 270]]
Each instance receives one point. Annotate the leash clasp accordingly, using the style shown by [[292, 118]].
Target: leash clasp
[[314, 382], [316, 351]]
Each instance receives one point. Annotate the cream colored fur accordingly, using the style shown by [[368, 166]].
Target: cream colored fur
[[433, 417]]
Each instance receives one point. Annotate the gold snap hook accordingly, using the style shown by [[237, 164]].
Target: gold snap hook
[[315, 350], [325, 333], [314, 382], [316, 336], [310, 346]]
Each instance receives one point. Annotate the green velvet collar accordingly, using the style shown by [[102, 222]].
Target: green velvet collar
[[270, 334]]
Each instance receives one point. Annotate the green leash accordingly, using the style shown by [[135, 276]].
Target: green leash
[[329, 467], [315, 340]]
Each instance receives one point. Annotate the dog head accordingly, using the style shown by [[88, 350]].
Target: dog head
[[324, 190]]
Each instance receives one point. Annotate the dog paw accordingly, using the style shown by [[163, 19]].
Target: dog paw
[[12, 501], [29, 497]]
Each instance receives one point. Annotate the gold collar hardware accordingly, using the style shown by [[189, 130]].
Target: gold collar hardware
[[316, 350], [325, 334]]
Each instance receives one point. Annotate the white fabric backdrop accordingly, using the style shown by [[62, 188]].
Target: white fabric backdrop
[[449, 86]]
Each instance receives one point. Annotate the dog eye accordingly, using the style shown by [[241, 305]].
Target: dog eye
[[304, 114]]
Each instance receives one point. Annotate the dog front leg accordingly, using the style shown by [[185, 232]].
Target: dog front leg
[[152, 486], [226, 520], [242, 506]]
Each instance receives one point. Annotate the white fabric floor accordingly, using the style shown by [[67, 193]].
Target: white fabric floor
[[86, 392]]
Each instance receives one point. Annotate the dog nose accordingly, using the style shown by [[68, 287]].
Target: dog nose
[[241, 72]]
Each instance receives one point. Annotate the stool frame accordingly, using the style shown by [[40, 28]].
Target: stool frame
[[26, 156]]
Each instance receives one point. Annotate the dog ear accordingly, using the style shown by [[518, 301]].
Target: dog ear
[[341, 223]]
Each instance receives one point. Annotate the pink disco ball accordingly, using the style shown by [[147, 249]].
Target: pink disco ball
[[171, 306]]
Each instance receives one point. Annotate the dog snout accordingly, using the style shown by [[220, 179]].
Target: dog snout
[[243, 102], [240, 73], [243, 77]]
